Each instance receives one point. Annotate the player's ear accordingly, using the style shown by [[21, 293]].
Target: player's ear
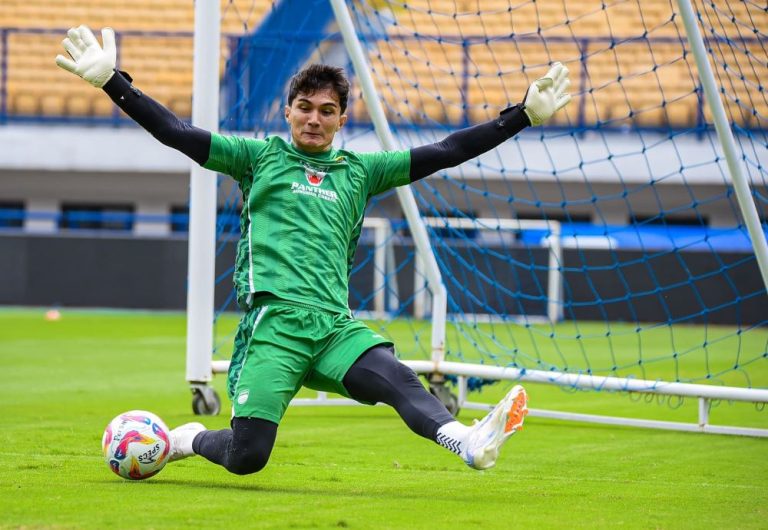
[[342, 121], [287, 112]]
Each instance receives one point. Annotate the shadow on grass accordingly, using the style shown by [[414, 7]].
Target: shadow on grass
[[322, 490]]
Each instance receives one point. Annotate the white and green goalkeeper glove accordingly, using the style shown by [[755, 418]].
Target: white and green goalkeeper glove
[[547, 95], [89, 60]]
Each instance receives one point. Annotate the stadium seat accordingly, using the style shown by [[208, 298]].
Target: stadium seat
[[412, 74], [499, 71], [162, 65]]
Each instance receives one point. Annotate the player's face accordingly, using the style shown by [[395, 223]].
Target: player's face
[[314, 120]]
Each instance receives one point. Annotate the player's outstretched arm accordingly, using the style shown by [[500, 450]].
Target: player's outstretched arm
[[544, 97], [96, 65]]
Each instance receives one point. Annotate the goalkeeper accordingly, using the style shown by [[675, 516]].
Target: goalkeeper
[[303, 207]]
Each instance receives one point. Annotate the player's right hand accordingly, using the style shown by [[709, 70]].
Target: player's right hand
[[89, 60]]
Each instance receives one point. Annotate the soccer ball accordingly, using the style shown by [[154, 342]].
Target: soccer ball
[[136, 444]]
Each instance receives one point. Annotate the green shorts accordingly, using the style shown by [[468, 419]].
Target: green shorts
[[281, 346]]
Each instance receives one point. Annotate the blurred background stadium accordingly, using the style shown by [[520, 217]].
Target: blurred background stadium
[[86, 194]]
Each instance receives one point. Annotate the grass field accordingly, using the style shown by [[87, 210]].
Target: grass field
[[346, 467]]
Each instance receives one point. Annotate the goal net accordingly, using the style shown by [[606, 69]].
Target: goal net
[[608, 242]]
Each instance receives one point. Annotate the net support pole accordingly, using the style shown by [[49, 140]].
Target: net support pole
[[555, 274], [202, 202], [404, 193], [703, 411], [727, 141]]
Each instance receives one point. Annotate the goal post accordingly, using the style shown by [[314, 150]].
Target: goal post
[[725, 135], [619, 248], [202, 219]]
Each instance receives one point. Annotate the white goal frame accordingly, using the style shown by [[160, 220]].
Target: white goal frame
[[200, 365], [388, 296], [552, 242]]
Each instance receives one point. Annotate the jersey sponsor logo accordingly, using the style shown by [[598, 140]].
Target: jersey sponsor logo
[[243, 397], [313, 191], [315, 176]]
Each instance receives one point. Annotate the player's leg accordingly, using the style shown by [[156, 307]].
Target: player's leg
[[268, 364], [358, 363], [377, 376], [354, 361], [243, 449]]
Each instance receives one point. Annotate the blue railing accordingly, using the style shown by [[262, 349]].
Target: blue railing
[[16, 218], [647, 237]]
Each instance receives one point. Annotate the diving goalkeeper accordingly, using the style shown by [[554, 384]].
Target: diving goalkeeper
[[303, 207]]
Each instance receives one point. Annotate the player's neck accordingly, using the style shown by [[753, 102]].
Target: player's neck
[[315, 154]]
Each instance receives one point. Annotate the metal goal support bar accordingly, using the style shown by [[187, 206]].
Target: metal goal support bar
[[703, 393]]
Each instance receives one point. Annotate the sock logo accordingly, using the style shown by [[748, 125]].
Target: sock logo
[[449, 443]]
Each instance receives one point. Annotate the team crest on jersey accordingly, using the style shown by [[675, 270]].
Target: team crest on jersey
[[314, 176]]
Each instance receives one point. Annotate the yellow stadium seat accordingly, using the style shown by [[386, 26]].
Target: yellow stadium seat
[[411, 73], [161, 65], [24, 104]]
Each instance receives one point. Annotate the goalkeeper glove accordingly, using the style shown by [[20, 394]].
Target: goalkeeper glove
[[547, 95], [89, 60]]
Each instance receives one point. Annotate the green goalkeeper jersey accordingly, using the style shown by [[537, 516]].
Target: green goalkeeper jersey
[[302, 215]]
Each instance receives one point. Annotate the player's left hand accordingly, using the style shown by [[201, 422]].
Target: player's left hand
[[89, 60], [547, 95]]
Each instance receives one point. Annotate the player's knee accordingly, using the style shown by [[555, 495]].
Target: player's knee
[[247, 462], [252, 444]]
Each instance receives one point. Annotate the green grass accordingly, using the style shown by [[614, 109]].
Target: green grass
[[350, 467]]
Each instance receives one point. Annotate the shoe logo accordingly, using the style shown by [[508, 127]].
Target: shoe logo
[[243, 397]]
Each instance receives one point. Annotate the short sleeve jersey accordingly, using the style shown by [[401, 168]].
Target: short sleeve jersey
[[302, 214]]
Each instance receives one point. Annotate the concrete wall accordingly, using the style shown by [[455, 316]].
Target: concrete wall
[[134, 272], [45, 167]]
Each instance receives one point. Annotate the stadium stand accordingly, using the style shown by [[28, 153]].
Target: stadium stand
[[608, 51], [155, 42]]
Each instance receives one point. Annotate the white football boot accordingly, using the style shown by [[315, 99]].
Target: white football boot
[[488, 435], [181, 440]]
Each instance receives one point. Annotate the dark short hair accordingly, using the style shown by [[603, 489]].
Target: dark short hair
[[320, 77]]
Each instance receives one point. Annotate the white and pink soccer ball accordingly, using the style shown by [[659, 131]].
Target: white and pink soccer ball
[[136, 444]]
